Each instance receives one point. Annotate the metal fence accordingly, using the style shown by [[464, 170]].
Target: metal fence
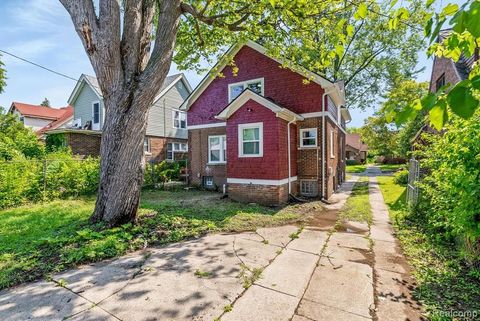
[[413, 178]]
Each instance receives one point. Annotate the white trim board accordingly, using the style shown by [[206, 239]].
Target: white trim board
[[272, 182], [248, 94], [211, 125], [320, 114]]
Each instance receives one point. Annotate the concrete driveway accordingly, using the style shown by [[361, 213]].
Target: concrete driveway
[[281, 273]]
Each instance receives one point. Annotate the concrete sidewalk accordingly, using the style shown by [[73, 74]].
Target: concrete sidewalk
[[314, 273]]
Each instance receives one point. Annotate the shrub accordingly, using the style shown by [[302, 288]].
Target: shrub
[[401, 177], [160, 173], [451, 188], [352, 162]]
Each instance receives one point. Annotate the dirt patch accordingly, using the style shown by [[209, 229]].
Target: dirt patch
[[323, 220]]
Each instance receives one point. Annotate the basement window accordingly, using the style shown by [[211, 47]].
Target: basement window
[[208, 182], [308, 188]]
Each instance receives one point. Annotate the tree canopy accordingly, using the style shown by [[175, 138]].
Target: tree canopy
[[3, 76], [45, 102], [17, 141]]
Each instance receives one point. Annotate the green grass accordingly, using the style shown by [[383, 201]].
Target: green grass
[[39, 239], [356, 168], [391, 167], [445, 283], [357, 208]]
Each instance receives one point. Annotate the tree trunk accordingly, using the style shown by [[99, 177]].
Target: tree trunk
[[122, 160]]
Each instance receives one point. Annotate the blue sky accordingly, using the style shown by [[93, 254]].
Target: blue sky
[[41, 31]]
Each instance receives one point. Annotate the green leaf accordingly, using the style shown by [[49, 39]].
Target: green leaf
[[449, 10], [428, 27], [429, 101], [339, 50], [429, 3], [475, 82], [438, 114], [350, 30], [462, 102], [473, 17], [361, 11], [458, 21]]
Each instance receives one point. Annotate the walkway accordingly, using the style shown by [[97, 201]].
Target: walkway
[[281, 273]]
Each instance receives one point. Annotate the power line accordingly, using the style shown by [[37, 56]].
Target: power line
[[39, 66]]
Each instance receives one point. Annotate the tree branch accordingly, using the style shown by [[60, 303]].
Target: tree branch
[[365, 63], [215, 20]]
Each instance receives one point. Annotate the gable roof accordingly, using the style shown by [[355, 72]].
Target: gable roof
[[355, 141], [65, 118], [464, 65], [91, 81], [247, 95], [337, 93], [37, 111]]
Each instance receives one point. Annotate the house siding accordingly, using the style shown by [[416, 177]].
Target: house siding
[[273, 165], [279, 85], [82, 106], [160, 115], [443, 65]]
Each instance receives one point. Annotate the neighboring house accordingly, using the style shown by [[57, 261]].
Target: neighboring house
[[40, 118], [266, 132], [446, 72], [166, 136], [355, 148]]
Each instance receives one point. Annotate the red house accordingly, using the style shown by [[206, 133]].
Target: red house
[[264, 131]]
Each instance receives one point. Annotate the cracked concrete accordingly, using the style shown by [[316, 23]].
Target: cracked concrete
[[324, 274]]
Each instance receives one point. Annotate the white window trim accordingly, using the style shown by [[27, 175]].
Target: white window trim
[[173, 119], [241, 127], [221, 161], [245, 83], [301, 137], [332, 143], [149, 148], [99, 113]]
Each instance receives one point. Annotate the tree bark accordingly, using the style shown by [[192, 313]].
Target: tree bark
[[129, 78]]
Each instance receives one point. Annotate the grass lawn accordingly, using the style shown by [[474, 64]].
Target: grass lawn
[[357, 207], [391, 167], [445, 282], [39, 239], [356, 168]]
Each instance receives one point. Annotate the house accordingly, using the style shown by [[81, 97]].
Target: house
[[166, 136], [355, 148], [445, 71], [40, 118], [264, 132]]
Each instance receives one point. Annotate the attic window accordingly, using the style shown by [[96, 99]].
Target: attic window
[[440, 82], [255, 85]]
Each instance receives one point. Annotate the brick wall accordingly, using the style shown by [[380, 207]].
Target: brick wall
[[158, 148], [440, 66], [83, 144], [261, 194], [282, 85], [198, 157]]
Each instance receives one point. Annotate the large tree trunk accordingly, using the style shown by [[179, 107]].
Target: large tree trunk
[[122, 163]]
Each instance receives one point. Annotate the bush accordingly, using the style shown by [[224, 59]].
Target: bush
[[401, 177], [160, 173], [59, 175], [451, 186], [352, 162]]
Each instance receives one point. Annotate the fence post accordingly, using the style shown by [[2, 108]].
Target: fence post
[[44, 179]]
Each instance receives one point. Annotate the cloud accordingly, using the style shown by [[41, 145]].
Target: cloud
[[42, 15]]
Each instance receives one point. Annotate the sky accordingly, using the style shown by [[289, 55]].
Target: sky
[[41, 31]]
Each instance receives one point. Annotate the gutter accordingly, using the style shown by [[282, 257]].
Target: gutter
[[289, 143], [327, 92]]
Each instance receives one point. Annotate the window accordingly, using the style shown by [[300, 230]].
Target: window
[[217, 149], [234, 90], [309, 188], [22, 119], [173, 148], [96, 113], [146, 145], [332, 144], [440, 82], [179, 119], [308, 137], [250, 140]]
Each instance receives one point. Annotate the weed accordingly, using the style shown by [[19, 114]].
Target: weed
[[227, 308], [202, 274]]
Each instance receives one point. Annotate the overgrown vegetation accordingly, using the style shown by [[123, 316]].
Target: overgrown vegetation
[[356, 168], [357, 207], [43, 238], [446, 282]]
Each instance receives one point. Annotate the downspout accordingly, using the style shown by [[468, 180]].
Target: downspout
[[323, 142], [289, 156]]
